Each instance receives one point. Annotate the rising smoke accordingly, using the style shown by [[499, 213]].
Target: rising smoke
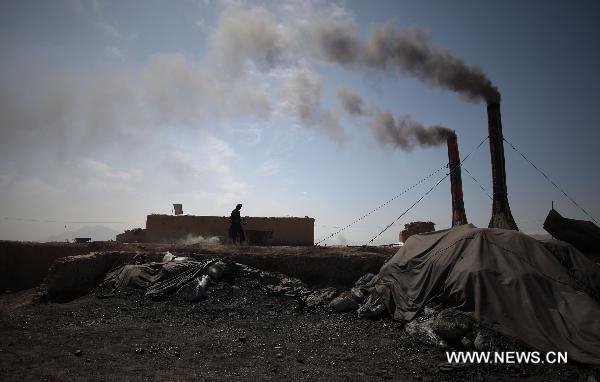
[[406, 133], [403, 132], [333, 40], [301, 93], [407, 51], [351, 102], [251, 35], [253, 39], [53, 114], [172, 89]]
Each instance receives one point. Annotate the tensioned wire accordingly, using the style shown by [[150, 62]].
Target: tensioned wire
[[428, 191]]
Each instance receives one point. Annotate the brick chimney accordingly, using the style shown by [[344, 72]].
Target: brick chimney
[[501, 215], [459, 215]]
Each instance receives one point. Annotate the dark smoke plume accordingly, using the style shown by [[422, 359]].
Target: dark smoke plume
[[334, 40], [302, 95], [351, 102], [254, 37], [407, 51], [404, 132]]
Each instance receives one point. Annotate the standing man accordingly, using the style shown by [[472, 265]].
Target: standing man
[[236, 225]]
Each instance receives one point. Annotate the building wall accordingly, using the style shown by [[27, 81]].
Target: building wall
[[260, 230], [415, 228]]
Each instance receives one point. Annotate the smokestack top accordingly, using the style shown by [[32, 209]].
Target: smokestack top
[[492, 95], [493, 105], [452, 141]]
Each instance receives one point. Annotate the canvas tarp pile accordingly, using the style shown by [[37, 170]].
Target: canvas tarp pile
[[504, 280]]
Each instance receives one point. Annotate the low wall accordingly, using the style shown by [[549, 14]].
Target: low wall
[[24, 265]]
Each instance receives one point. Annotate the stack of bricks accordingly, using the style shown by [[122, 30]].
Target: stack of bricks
[[415, 228]]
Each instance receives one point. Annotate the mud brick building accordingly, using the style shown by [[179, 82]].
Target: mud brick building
[[259, 230]]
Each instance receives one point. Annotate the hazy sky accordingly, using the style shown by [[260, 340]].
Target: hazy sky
[[110, 110]]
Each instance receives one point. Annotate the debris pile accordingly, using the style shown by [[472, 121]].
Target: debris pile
[[187, 279]]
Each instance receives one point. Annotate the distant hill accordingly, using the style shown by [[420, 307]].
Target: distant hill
[[97, 233]]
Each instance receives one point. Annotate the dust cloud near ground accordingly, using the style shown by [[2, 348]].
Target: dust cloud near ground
[[191, 239]]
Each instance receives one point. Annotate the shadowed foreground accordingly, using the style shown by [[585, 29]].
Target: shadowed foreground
[[238, 333]]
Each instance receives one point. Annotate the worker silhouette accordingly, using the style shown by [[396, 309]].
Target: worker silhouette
[[236, 225]]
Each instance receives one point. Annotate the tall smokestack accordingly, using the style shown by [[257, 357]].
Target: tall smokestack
[[501, 215], [459, 216]]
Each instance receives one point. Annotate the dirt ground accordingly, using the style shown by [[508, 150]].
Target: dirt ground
[[239, 333]]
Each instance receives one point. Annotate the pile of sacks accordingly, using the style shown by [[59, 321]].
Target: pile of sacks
[[359, 299], [449, 328]]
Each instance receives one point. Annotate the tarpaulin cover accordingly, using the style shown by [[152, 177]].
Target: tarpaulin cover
[[583, 234], [505, 280]]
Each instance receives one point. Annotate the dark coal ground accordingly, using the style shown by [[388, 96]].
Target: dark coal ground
[[239, 332]]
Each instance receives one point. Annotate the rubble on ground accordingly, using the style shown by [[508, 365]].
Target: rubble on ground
[[185, 279]]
